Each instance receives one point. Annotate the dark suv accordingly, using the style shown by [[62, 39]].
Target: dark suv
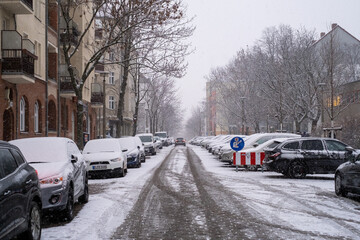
[[180, 141], [20, 201], [297, 157]]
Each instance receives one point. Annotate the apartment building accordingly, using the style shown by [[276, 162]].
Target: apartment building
[[37, 99], [106, 92], [28, 92]]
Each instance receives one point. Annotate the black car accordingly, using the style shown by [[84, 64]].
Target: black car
[[20, 199], [347, 177], [297, 157], [180, 141]]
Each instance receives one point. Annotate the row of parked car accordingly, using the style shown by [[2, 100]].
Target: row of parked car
[[44, 175], [292, 155]]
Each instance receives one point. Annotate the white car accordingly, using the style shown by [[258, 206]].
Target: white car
[[148, 141], [62, 172], [105, 157]]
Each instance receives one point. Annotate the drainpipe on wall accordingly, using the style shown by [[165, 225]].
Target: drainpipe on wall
[[58, 74], [46, 69], [16, 112]]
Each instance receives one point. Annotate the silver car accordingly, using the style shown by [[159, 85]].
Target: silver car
[[62, 172]]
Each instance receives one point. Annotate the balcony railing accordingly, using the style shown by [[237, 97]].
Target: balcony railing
[[66, 85], [18, 61], [97, 98], [17, 58]]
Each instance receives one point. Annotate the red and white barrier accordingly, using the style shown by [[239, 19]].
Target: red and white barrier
[[248, 158]]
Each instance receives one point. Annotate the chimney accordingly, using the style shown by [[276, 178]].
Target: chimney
[[322, 34], [333, 25]]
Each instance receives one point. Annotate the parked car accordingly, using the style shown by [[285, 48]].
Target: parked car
[[158, 142], [20, 197], [62, 172], [251, 141], [148, 140], [132, 151], [180, 141], [104, 157], [163, 137], [141, 147], [297, 157], [347, 176], [252, 158]]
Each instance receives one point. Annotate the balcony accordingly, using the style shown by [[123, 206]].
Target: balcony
[[69, 33], [17, 6], [97, 95], [17, 58], [66, 87]]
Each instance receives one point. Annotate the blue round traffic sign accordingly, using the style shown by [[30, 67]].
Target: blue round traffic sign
[[237, 143]]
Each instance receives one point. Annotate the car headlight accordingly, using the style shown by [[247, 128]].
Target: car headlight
[[56, 180], [115, 160]]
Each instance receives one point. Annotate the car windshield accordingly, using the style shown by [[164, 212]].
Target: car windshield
[[127, 143], [161, 135], [146, 138], [180, 139], [42, 150], [102, 145]]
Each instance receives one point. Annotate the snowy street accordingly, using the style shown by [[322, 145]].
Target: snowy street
[[185, 192]]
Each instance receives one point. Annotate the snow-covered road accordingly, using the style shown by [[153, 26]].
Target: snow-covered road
[[287, 208]]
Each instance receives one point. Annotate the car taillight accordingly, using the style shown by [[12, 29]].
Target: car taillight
[[37, 173]]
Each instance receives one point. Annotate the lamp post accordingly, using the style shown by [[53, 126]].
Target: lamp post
[[104, 74], [322, 85]]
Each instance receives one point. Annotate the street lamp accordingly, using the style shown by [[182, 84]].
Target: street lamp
[[104, 74]]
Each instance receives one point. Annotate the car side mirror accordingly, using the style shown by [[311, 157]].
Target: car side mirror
[[255, 144], [138, 147], [74, 158], [349, 149]]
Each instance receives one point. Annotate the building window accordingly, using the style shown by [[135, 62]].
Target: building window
[[111, 56], [22, 114], [52, 115], [111, 102], [36, 117], [111, 78]]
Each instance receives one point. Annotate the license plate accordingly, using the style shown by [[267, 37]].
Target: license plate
[[100, 167]]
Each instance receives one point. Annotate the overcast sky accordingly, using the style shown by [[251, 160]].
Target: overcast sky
[[225, 26]]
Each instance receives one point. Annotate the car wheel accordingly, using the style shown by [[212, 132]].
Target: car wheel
[[69, 210], [339, 188], [297, 170], [85, 197], [34, 225], [122, 172]]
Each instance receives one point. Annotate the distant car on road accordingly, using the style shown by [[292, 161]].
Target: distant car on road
[[297, 157], [62, 172], [20, 197], [180, 141], [347, 177], [163, 137], [104, 157]]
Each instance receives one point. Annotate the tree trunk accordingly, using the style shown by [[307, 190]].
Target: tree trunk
[[121, 103]]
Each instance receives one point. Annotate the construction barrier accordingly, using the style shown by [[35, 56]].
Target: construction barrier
[[248, 158]]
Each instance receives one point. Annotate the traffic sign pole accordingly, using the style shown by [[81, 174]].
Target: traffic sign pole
[[237, 144]]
